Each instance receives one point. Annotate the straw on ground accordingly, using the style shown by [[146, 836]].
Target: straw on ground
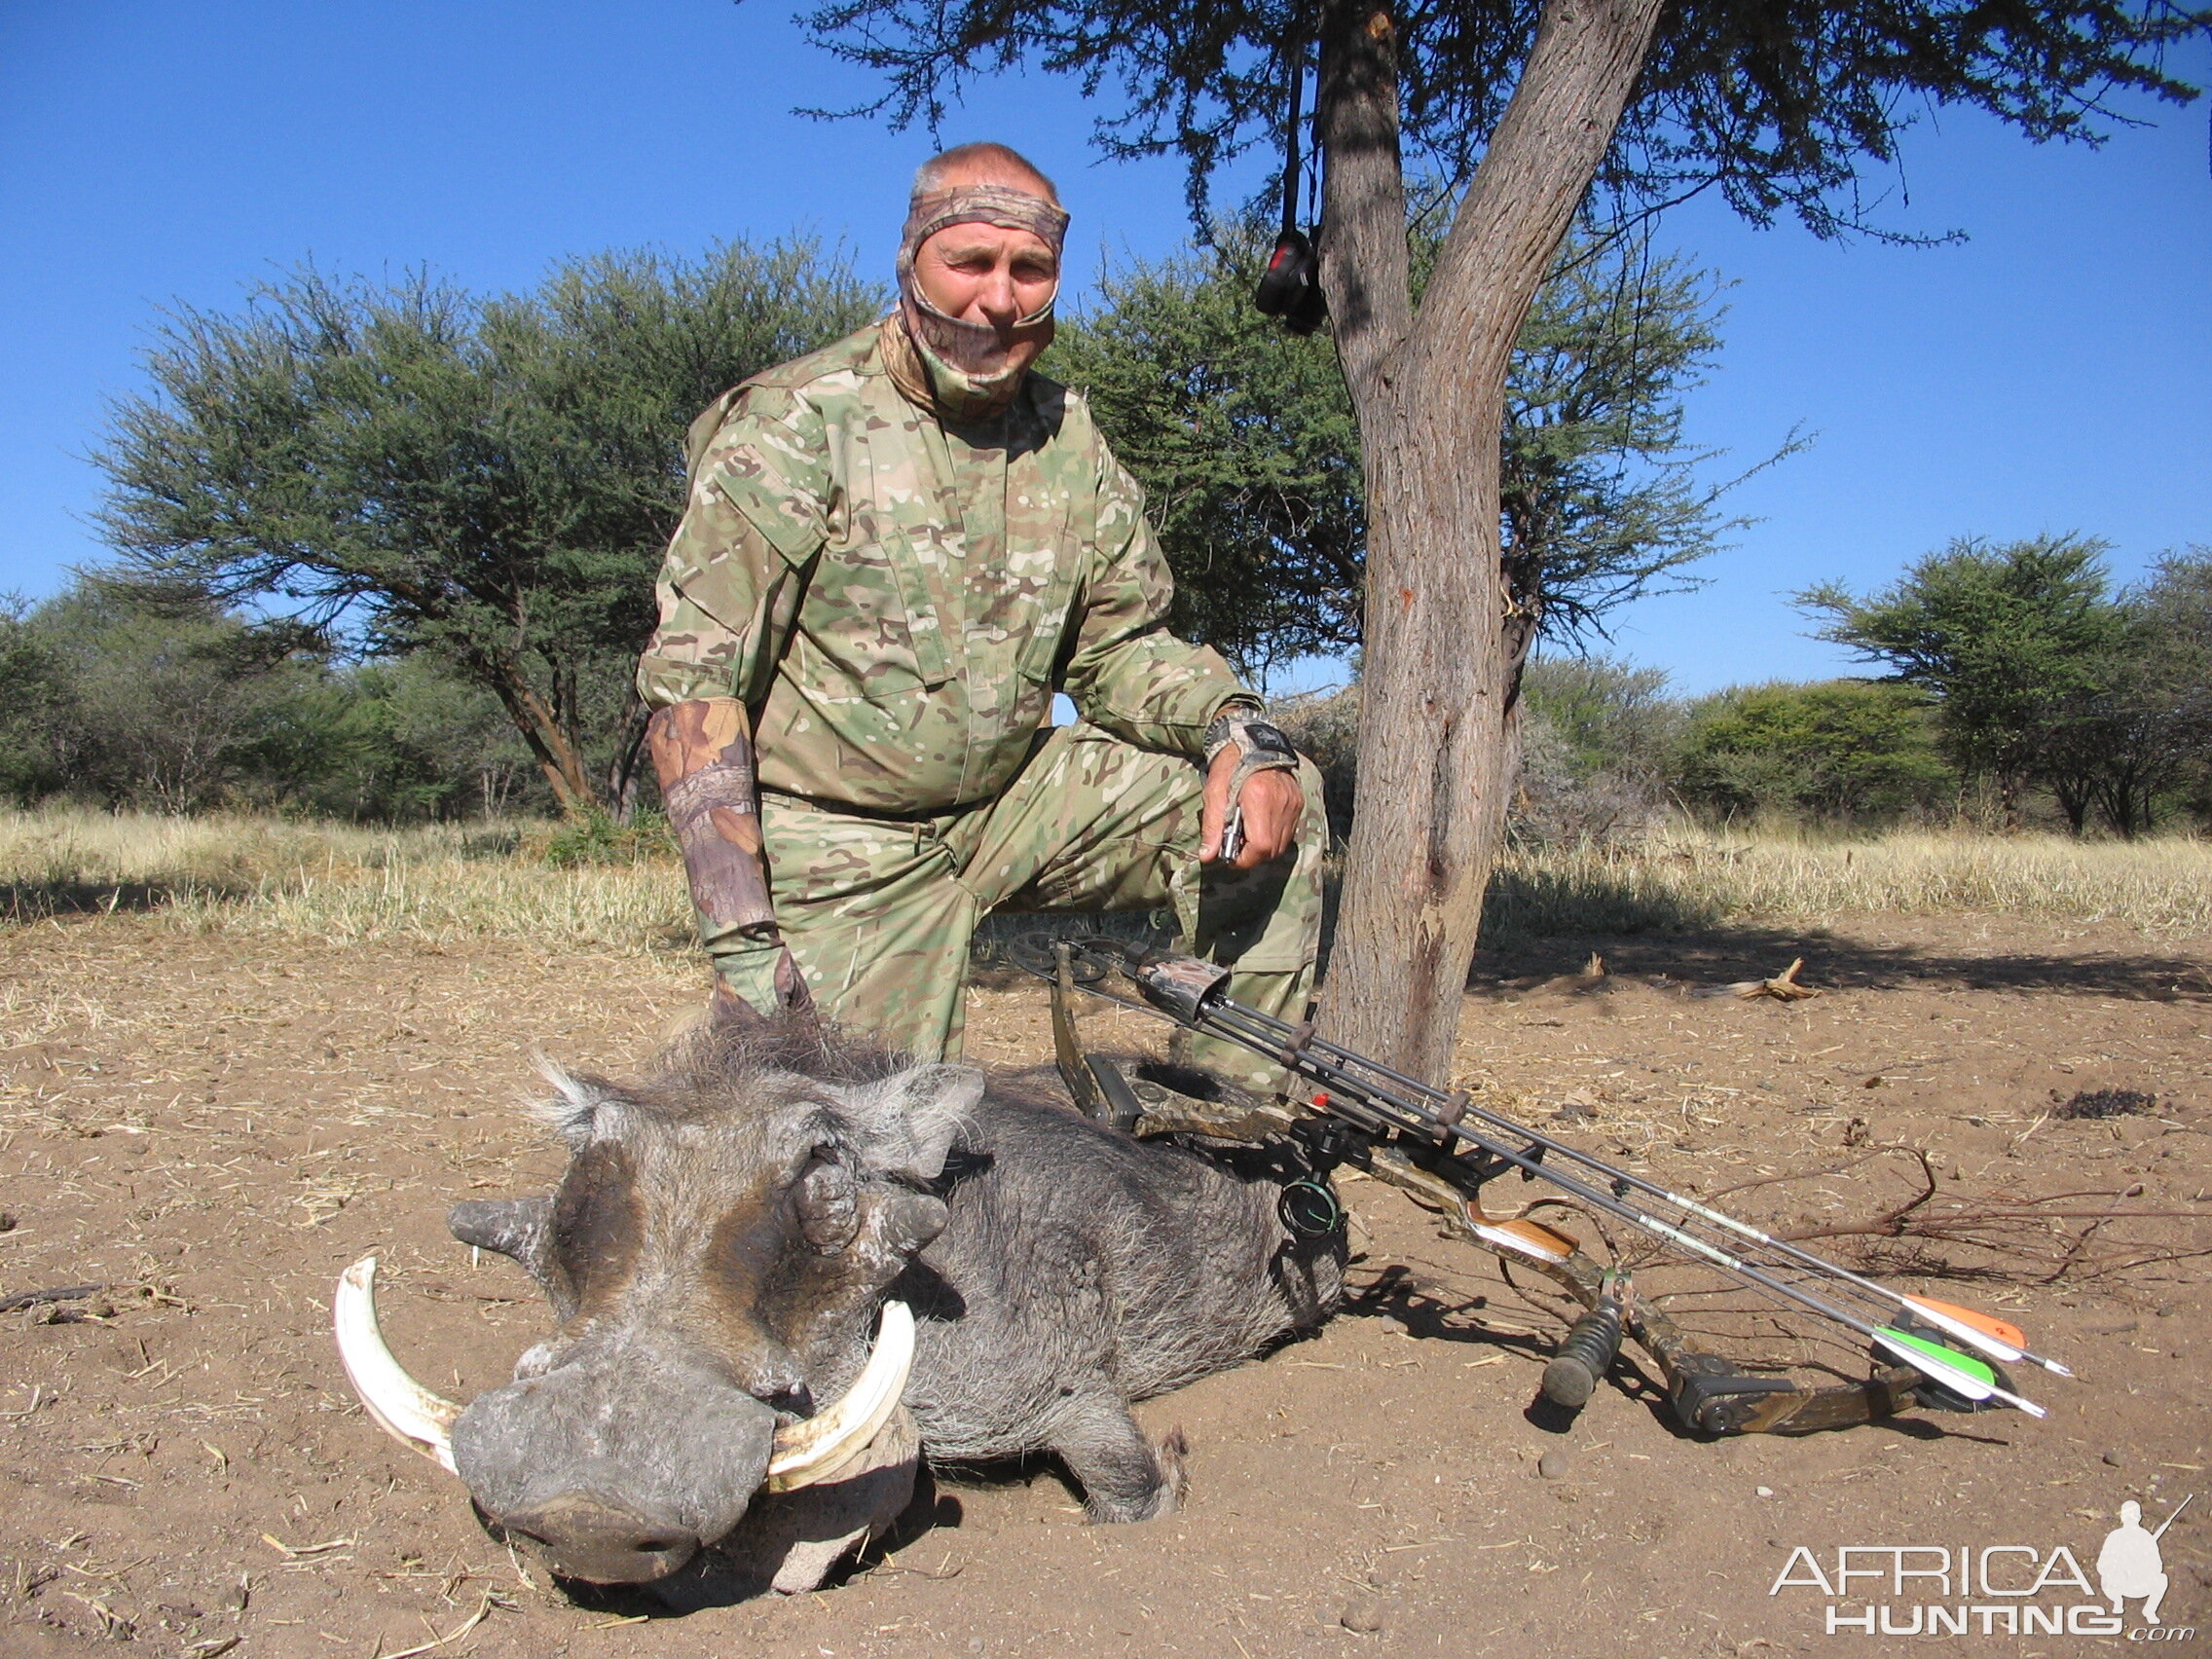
[[449, 883]]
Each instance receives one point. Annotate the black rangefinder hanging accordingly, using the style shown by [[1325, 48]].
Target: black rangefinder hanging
[[1290, 288]]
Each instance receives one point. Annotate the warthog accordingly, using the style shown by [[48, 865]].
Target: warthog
[[728, 1233]]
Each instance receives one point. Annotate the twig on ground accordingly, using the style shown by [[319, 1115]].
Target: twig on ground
[[482, 1612], [1782, 987], [292, 1553], [2022, 1238], [38, 1398], [24, 1299]]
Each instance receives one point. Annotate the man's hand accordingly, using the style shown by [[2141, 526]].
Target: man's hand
[[1272, 803]]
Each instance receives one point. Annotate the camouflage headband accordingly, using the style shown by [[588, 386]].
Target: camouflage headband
[[979, 204], [967, 369]]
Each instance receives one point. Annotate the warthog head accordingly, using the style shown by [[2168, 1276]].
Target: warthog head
[[716, 1254]]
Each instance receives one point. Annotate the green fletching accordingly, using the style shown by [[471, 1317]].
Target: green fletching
[[1948, 1358]]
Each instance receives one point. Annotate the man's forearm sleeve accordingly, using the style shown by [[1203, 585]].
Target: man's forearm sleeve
[[703, 754]]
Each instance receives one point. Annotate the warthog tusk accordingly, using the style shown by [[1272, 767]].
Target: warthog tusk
[[804, 1452], [825, 1443], [395, 1401]]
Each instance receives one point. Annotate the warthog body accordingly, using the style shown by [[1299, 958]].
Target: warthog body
[[716, 1253]]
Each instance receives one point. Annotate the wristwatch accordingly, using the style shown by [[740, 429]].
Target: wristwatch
[[1260, 746]]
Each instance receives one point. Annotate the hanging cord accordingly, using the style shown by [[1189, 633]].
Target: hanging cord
[[1290, 288], [1313, 194]]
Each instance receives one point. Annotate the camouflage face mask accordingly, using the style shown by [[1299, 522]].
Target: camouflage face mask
[[967, 363]]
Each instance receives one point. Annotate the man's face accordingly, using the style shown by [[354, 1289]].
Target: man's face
[[991, 275]]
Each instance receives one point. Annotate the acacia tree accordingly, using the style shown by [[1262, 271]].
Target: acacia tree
[[1532, 103], [491, 481], [1246, 445], [2138, 726], [2005, 639]]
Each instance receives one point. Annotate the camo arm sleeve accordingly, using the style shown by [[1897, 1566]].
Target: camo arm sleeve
[[731, 581], [1129, 674]]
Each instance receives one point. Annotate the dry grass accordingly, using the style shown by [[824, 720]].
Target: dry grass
[[1683, 878], [448, 883], [635, 908], [70, 846], [439, 884]]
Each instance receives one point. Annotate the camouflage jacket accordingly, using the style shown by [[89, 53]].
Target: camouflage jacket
[[896, 601]]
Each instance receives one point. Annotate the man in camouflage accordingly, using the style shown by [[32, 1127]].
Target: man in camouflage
[[896, 551]]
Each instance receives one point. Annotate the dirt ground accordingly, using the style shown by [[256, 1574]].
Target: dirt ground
[[212, 1126]]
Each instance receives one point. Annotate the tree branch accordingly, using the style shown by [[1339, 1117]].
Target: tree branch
[[1366, 269], [1537, 168]]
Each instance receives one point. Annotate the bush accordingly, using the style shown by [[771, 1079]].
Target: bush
[[169, 704], [419, 742], [1841, 750], [594, 837], [1326, 727], [1605, 752], [1596, 740], [133, 701]]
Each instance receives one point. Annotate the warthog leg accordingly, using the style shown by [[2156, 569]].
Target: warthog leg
[[1123, 1476]]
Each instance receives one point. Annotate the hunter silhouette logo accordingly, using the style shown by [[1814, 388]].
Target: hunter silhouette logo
[[1996, 1590], [2129, 1564]]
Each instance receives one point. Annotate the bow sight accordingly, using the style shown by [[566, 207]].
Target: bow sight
[[1445, 1149]]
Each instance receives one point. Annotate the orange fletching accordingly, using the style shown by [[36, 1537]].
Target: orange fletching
[[2009, 1335]]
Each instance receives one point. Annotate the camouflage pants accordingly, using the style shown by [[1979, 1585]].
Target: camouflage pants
[[879, 913]]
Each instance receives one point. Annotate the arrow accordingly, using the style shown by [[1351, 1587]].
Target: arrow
[[1960, 1373]]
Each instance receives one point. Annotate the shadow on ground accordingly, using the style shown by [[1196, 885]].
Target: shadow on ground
[[1698, 950], [1720, 955], [35, 901]]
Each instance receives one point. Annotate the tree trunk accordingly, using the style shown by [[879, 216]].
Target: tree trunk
[[1434, 738], [558, 757], [624, 771], [2075, 803]]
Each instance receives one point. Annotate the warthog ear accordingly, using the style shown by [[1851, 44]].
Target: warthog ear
[[575, 1101], [908, 1122], [521, 1229]]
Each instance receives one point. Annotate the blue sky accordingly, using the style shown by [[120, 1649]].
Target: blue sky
[[2054, 372]]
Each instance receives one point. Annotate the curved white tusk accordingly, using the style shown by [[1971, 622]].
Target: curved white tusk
[[825, 1443], [395, 1401]]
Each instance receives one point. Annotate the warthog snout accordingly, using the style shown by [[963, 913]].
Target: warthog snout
[[581, 1536], [614, 1465]]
